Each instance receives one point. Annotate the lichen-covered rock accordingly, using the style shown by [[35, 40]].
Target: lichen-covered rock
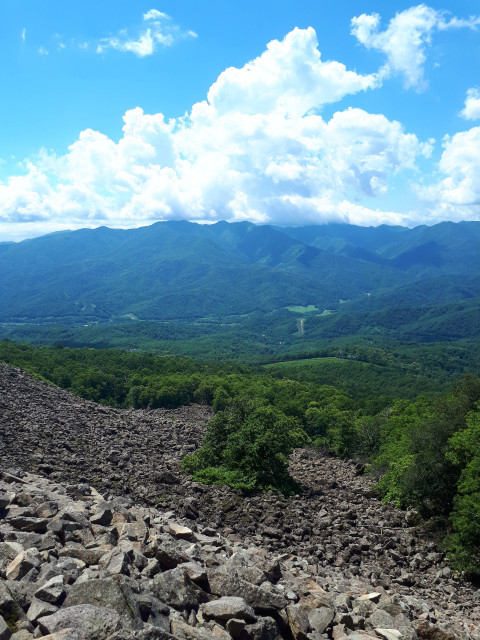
[[106, 593], [174, 588], [22, 564], [320, 618], [298, 621], [228, 581], [52, 591], [228, 607], [96, 623]]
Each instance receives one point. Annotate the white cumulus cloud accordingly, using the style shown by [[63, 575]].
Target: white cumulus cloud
[[154, 14], [471, 111], [289, 77], [405, 40], [159, 31], [459, 187]]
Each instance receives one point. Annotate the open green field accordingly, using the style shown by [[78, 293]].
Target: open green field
[[299, 309]]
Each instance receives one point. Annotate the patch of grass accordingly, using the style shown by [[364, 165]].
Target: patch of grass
[[299, 309]]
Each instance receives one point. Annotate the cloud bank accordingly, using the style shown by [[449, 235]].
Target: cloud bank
[[258, 148]]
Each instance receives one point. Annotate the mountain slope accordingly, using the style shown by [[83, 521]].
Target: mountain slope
[[445, 248], [157, 272], [181, 270]]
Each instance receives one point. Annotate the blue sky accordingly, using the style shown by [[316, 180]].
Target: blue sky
[[285, 112]]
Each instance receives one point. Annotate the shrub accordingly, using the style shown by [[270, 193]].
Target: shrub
[[464, 452], [246, 446]]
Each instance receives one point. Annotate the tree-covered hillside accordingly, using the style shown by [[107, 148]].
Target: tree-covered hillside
[[185, 271]]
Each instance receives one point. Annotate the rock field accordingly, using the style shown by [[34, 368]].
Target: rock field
[[101, 536]]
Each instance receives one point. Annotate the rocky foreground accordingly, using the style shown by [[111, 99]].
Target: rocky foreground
[[191, 561]]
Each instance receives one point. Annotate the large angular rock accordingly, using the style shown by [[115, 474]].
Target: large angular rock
[[388, 634], [167, 551], [136, 531], [22, 564], [38, 609], [183, 631], [25, 523], [264, 629], [298, 621], [175, 588], [228, 607], [374, 596], [116, 562], [252, 574], [96, 623], [5, 499], [88, 556], [228, 581], [104, 593], [71, 518], [382, 619], [153, 611], [179, 531], [8, 551], [272, 570], [7, 603], [102, 517], [46, 509], [235, 627], [320, 618], [52, 591], [196, 571]]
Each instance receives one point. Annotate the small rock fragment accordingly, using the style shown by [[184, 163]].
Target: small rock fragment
[[179, 531]]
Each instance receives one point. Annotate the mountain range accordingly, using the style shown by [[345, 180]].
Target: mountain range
[[179, 270]]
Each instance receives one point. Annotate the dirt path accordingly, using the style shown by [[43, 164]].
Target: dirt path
[[301, 323]]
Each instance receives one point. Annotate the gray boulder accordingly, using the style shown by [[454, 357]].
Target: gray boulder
[[227, 581], [52, 591], [106, 593], [176, 589], [228, 607], [96, 623]]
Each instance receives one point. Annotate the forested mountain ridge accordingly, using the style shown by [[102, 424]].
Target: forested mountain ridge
[[447, 247], [181, 270]]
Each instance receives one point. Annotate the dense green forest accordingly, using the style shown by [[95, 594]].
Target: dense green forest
[[423, 446], [180, 271]]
